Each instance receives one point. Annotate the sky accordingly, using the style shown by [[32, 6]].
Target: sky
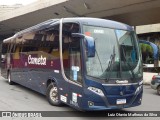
[[13, 2]]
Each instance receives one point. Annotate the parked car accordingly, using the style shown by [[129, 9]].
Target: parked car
[[155, 83]]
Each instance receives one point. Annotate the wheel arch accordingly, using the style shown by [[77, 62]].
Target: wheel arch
[[51, 80]]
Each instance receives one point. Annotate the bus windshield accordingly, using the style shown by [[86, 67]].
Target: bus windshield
[[117, 54]]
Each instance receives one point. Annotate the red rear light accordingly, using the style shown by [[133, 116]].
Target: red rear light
[[154, 77]]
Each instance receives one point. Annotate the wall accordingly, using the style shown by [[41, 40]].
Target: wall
[[147, 77]]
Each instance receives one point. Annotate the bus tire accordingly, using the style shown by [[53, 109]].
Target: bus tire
[[10, 82], [53, 95]]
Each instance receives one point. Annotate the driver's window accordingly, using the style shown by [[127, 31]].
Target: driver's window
[[72, 53]]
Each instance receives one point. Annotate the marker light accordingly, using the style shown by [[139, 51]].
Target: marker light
[[96, 90]]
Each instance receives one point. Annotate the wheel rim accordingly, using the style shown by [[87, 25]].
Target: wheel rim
[[54, 94]]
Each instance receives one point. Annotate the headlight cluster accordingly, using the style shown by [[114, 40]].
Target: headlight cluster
[[138, 89], [140, 83], [96, 90]]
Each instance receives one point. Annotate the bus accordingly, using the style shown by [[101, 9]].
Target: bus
[[89, 64]]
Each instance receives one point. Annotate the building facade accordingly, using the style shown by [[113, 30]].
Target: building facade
[[7, 8]]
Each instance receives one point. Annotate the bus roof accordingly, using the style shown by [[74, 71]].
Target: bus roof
[[39, 26], [81, 20], [100, 22]]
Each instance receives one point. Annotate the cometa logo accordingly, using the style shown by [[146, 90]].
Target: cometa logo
[[36, 61]]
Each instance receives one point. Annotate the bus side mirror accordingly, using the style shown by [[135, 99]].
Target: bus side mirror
[[90, 46], [89, 42]]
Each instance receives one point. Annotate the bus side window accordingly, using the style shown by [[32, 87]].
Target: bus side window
[[4, 52], [29, 49], [16, 53]]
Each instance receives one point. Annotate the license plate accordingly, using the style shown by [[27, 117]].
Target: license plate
[[121, 101]]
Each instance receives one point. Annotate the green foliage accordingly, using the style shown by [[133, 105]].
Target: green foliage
[[146, 48]]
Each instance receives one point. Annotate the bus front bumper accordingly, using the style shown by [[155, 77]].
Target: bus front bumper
[[98, 103]]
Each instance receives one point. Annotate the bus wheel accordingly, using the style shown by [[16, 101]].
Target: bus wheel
[[158, 90], [9, 79], [52, 95]]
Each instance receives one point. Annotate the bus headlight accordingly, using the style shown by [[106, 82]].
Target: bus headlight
[[141, 83], [96, 90], [138, 89]]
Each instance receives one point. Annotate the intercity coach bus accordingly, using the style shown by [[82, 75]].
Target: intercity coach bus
[[86, 63]]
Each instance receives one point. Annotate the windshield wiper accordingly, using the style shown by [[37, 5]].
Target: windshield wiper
[[99, 60], [109, 67], [111, 63], [98, 57], [128, 65]]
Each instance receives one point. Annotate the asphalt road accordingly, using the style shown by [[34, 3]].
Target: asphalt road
[[19, 98]]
